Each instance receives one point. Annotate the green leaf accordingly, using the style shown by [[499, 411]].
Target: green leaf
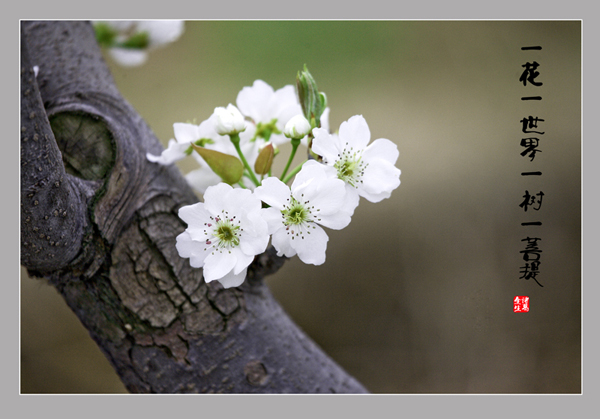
[[228, 167]]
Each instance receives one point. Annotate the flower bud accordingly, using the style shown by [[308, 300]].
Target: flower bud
[[264, 160], [229, 120], [297, 127], [312, 101]]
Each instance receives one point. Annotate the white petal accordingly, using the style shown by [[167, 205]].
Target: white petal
[[273, 192], [337, 220], [255, 238], [188, 248], [326, 145], [243, 261], [379, 180], [311, 171], [312, 248], [327, 195], [231, 280], [355, 132], [161, 31], [325, 119], [251, 100], [282, 243], [215, 198], [173, 153], [185, 133], [128, 57], [194, 215], [218, 264], [381, 149], [273, 218], [284, 105]]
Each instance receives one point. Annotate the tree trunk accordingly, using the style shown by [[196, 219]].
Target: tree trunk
[[99, 222]]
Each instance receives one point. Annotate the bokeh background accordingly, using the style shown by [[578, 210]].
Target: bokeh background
[[416, 293]]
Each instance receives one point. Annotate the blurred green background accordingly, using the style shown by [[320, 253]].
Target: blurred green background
[[416, 293]]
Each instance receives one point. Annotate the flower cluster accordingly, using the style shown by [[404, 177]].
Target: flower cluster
[[245, 205], [128, 41]]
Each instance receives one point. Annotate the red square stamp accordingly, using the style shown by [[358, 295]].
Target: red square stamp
[[521, 304]]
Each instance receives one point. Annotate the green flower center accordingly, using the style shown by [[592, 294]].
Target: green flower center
[[350, 166], [264, 131], [299, 217], [227, 234], [295, 214], [222, 232]]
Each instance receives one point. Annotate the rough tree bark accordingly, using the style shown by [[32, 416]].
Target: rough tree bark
[[99, 222]]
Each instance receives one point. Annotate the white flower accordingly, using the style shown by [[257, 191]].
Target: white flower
[[268, 109], [295, 215], [224, 234], [297, 127], [367, 169], [130, 40], [160, 32], [229, 120], [186, 134]]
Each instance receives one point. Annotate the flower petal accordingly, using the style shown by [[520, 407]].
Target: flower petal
[[381, 149], [326, 145], [273, 192], [380, 179], [128, 57], [251, 100], [171, 154], [231, 279], [255, 237], [215, 198], [273, 218], [218, 264], [282, 243], [311, 249], [185, 133], [188, 248], [355, 132]]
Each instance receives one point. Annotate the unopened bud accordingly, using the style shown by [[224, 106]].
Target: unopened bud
[[312, 101], [264, 160], [229, 120], [297, 128]]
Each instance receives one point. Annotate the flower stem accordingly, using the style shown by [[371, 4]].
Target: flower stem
[[295, 144], [235, 139]]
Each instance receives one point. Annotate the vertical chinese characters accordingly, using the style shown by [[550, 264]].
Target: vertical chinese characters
[[531, 125]]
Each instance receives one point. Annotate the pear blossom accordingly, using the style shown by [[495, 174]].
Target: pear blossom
[[296, 214], [186, 134], [223, 234], [130, 40], [269, 109], [367, 169]]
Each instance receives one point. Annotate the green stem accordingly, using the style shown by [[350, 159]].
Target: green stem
[[235, 139], [295, 144]]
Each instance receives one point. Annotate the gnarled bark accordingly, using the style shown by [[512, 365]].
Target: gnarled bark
[[99, 222]]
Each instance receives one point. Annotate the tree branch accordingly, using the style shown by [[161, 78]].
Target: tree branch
[[99, 222]]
